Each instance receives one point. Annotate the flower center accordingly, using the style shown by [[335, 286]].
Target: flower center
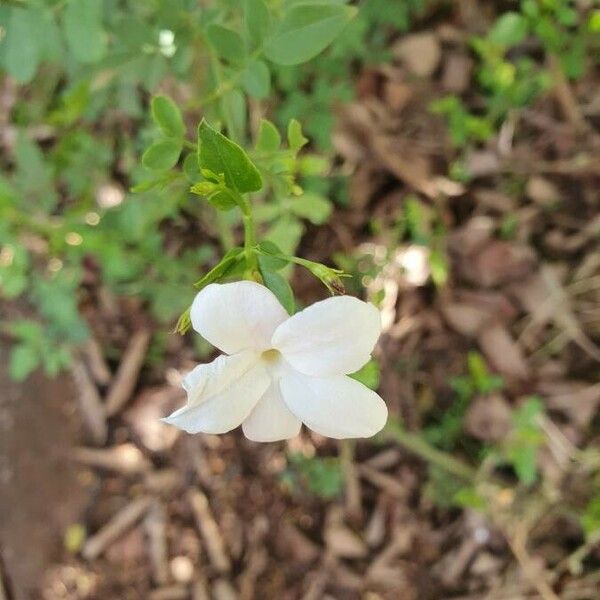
[[271, 356]]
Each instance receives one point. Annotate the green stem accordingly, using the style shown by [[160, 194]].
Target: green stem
[[249, 231], [417, 445]]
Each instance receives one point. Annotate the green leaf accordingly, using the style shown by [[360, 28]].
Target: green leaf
[[24, 359], [509, 30], [306, 30], [162, 155], [268, 139], [22, 44], [313, 207], [257, 19], [278, 285], [234, 256], [256, 79], [191, 168], [228, 43], [233, 105], [286, 233], [368, 375], [272, 261], [296, 139], [82, 23], [223, 200], [167, 116], [222, 156]]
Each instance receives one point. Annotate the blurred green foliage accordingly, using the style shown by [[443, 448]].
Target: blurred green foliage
[[509, 72], [84, 71], [323, 477]]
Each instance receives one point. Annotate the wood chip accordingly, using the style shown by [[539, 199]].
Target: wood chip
[[383, 482], [456, 75], [211, 534], [340, 539], [420, 52], [116, 527], [412, 172], [489, 418], [127, 375], [223, 590], [90, 404]]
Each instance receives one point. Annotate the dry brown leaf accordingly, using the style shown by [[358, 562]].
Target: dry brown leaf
[[488, 418], [503, 352]]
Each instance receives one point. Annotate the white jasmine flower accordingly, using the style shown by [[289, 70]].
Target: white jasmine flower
[[281, 371]]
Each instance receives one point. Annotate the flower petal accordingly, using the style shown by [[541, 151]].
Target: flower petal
[[221, 394], [332, 337], [338, 407], [271, 419], [237, 316]]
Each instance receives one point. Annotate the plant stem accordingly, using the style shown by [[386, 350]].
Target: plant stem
[[249, 230], [421, 448]]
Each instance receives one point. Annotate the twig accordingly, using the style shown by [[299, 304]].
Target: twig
[[200, 590], [385, 482], [352, 483], [3, 591], [126, 378], [209, 529], [517, 545], [94, 359], [115, 528], [564, 95], [172, 592], [420, 447], [90, 404], [155, 524], [125, 459]]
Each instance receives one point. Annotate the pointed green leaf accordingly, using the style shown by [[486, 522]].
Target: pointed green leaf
[[313, 207], [268, 139], [162, 155], [228, 43], [509, 30], [82, 23], [257, 19], [256, 79], [24, 360], [306, 30], [22, 44], [296, 139], [222, 156], [167, 116], [234, 256], [278, 285]]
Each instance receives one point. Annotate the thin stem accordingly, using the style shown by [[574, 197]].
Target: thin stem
[[421, 448], [249, 230]]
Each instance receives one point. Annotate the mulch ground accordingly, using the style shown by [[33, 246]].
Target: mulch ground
[[166, 516]]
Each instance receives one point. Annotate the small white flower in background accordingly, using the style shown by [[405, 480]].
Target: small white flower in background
[[166, 39], [281, 371]]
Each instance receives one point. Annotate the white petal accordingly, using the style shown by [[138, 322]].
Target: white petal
[[237, 316], [338, 407], [332, 337], [271, 419], [221, 394]]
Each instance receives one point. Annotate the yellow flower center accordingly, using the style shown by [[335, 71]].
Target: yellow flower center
[[271, 356]]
